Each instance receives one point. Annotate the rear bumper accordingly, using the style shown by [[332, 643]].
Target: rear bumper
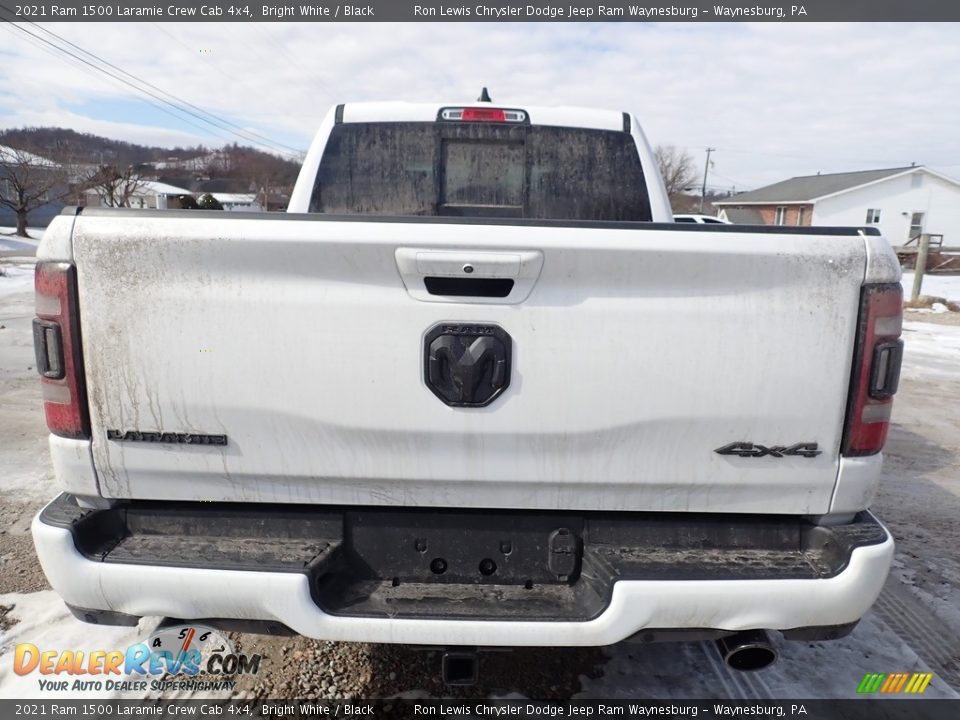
[[360, 575]]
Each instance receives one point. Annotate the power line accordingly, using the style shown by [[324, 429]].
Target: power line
[[896, 163], [208, 59], [81, 64], [733, 181], [202, 115], [173, 37], [250, 133], [706, 169], [212, 59], [114, 77], [809, 157]]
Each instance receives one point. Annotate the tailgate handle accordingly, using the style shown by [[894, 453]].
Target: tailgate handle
[[476, 264], [480, 275], [468, 287]]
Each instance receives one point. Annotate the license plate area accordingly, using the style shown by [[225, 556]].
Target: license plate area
[[471, 548]]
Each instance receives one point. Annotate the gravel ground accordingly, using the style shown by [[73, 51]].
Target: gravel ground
[[19, 570], [316, 669], [5, 621]]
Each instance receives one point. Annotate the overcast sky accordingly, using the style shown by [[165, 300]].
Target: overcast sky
[[776, 100]]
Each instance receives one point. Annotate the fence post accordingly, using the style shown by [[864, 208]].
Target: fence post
[[920, 266]]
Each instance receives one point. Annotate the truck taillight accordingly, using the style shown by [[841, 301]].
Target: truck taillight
[[483, 114], [56, 342], [876, 369]]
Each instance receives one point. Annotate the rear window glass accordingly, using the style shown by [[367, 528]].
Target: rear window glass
[[482, 173], [480, 170]]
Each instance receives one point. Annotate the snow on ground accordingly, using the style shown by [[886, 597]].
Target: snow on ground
[[931, 349], [12, 244], [16, 268], [17, 245], [945, 286], [24, 463], [15, 278], [34, 232], [46, 623]]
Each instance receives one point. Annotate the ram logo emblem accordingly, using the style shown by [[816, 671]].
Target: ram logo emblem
[[467, 365]]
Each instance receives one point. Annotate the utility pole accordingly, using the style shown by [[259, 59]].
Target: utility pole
[[706, 169], [920, 266]]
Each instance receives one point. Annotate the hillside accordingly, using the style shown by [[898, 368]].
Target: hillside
[[231, 161]]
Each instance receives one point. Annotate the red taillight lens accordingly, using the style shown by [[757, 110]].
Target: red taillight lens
[[56, 340], [876, 369], [484, 115]]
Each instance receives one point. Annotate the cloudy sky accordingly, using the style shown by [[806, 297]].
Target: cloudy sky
[[776, 100]]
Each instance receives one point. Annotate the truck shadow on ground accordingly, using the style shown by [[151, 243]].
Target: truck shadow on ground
[[545, 673], [914, 499], [906, 452], [298, 667]]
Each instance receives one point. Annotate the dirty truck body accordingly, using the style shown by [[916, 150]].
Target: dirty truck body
[[474, 389]]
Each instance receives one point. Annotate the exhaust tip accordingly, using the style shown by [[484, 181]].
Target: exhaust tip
[[747, 651]]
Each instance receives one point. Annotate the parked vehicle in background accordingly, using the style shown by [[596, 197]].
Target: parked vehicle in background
[[474, 389], [701, 219]]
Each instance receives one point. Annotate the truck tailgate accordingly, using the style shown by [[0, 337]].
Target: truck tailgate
[[639, 351]]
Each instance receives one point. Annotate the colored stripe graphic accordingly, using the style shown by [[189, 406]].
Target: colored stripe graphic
[[927, 677], [871, 682], [900, 682], [889, 682], [894, 683]]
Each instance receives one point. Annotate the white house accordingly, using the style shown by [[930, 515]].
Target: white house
[[902, 202], [162, 196], [243, 202], [147, 194]]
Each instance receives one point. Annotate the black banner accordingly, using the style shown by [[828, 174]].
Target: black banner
[[490, 11], [872, 709]]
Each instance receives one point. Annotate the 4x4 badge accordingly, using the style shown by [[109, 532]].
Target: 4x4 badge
[[745, 449]]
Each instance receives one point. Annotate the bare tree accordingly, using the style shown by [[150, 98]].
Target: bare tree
[[209, 202], [676, 168], [116, 186], [267, 174], [28, 181]]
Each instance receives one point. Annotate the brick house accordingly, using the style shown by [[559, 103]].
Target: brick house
[[902, 202]]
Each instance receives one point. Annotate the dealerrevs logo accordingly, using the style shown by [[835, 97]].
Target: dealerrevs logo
[[188, 650]]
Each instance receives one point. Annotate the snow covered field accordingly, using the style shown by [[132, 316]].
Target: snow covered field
[[44, 621], [16, 279], [934, 348], [945, 286], [13, 245]]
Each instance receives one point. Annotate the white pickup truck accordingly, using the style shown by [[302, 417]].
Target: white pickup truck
[[475, 389]]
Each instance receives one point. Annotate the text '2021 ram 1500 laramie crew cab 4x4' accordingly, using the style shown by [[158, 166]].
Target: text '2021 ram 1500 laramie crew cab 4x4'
[[474, 389]]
